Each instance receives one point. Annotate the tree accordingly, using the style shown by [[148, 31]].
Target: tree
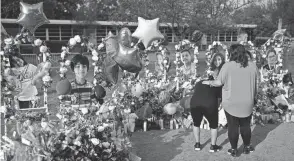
[[84, 10]]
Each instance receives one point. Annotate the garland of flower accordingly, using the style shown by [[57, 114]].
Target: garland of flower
[[185, 44]]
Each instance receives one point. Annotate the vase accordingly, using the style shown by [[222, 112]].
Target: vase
[[161, 123], [145, 126], [171, 124], [288, 117]]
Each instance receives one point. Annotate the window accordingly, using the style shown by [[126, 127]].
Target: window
[[77, 30], [235, 35], [209, 38], [53, 33], [111, 28], [100, 33], [228, 36], [66, 32], [222, 36], [40, 33]]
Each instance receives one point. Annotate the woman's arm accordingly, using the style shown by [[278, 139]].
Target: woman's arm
[[214, 83]]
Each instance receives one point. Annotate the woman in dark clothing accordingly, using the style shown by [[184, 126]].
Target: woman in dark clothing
[[205, 102]]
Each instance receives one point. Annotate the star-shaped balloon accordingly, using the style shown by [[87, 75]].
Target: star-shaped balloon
[[111, 70], [148, 31], [128, 59], [32, 16], [111, 44]]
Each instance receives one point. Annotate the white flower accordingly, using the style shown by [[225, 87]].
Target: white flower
[[111, 108], [78, 143], [100, 46], [177, 47], [165, 61], [84, 110], [94, 53], [63, 70], [72, 42], [106, 144], [63, 54], [63, 48], [280, 64], [38, 42], [44, 124], [8, 41], [95, 141], [46, 78], [77, 38], [127, 110], [59, 116], [67, 62], [100, 128], [160, 48], [95, 58], [263, 56], [43, 49], [196, 51], [195, 60], [105, 125], [17, 42], [254, 55]]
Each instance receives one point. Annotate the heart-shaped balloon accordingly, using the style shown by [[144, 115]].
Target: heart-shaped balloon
[[63, 87], [111, 70], [111, 44], [185, 102], [164, 97], [170, 108], [128, 59], [99, 92], [124, 37], [196, 36]]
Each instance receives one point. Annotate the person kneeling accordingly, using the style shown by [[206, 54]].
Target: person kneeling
[[204, 102]]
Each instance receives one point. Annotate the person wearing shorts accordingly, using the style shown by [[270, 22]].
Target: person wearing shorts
[[205, 102], [129, 125]]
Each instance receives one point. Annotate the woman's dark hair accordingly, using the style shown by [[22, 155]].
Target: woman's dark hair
[[237, 53], [12, 61], [271, 51], [79, 59], [212, 65], [249, 54], [185, 50]]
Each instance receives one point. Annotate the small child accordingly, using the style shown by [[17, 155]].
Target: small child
[[129, 124]]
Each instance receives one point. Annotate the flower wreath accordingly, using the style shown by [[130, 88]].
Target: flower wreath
[[185, 45], [97, 56], [209, 54]]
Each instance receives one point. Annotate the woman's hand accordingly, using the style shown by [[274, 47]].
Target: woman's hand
[[206, 82]]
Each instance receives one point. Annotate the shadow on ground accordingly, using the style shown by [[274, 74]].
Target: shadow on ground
[[169, 142]]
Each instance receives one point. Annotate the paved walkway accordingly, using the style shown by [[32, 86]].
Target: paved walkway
[[272, 143]]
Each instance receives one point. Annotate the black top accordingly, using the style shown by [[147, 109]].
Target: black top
[[205, 96]]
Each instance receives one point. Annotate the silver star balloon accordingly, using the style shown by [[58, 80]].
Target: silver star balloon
[[32, 16]]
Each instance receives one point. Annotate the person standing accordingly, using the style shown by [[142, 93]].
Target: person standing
[[204, 102], [239, 80]]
